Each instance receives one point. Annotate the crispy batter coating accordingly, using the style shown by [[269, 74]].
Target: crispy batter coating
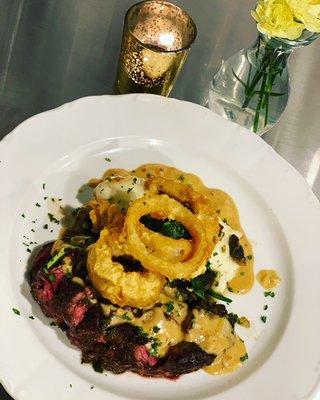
[[165, 207], [135, 288]]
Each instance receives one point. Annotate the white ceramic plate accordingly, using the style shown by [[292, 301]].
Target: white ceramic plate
[[65, 147]]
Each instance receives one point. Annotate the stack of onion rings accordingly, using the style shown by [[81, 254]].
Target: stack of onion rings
[[162, 257]]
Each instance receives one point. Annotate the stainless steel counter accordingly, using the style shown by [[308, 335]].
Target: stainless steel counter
[[54, 51]]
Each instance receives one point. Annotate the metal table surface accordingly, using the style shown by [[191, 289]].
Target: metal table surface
[[55, 51]]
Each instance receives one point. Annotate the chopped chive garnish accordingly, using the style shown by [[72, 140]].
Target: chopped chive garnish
[[170, 307], [55, 258], [263, 318], [53, 218], [244, 358], [108, 159], [219, 296], [126, 317], [52, 278], [45, 226], [23, 215], [31, 317], [28, 250], [38, 205], [43, 186], [17, 312], [271, 294]]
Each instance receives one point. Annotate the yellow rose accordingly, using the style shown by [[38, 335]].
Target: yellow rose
[[276, 19], [308, 12]]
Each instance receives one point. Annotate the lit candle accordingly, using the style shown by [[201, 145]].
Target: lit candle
[[156, 40]]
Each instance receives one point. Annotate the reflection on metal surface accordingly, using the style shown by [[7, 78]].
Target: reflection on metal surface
[[314, 168]]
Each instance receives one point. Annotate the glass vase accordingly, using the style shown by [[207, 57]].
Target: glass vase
[[252, 87]]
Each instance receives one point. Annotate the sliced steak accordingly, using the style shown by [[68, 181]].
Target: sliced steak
[[186, 357], [116, 348], [40, 260]]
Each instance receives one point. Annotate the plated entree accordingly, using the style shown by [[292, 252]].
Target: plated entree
[[141, 279]]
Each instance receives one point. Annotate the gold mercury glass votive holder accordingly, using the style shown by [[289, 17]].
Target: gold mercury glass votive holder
[[157, 37]]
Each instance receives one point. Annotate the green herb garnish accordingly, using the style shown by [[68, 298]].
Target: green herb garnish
[[43, 186], [108, 159], [269, 294], [201, 289], [23, 215], [219, 296], [53, 218], [265, 307], [156, 329], [38, 205], [263, 318], [249, 257], [142, 333], [167, 227], [17, 312], [31, 317], [52, 278], [129, 190], [169, 307], [181, 178], [45, 226], [154, 347], [57, 257], [244, 358], [126, 317]]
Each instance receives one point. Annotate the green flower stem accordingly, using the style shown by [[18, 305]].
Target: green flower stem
[[270, 66], [258, 109]]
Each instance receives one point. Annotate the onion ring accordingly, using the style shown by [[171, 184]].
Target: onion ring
[[199, 203], [165, 247], [164, 207], [104, 214], [135, 289]]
